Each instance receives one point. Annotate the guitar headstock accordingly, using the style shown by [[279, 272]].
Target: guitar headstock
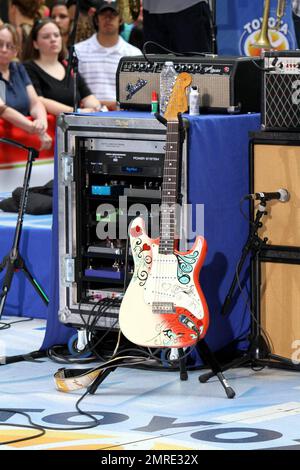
[[178, 102]]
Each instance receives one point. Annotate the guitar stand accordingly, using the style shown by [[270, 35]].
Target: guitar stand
[[205, 354], [211, 360], [101, 377], [209, 357]]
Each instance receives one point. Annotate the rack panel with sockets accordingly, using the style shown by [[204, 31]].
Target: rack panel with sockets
[[109, 169]]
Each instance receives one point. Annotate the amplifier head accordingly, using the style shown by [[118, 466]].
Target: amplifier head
[[281, 91], [226, 84]]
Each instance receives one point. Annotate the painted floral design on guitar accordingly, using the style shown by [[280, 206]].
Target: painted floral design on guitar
[[136, 231], [142, 253], [178, 329], [185, 266]]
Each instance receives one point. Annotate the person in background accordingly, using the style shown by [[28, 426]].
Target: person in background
[[3, 11], [179, 25], [296, 20], [85, 27], [99, 55], [22, 15], [47, 68], [44, 10], [134, 33], [60, 14], [18, 98]]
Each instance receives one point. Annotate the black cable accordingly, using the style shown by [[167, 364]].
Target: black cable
[[103, 305], [65, 359], [169, 51], [33, 426], [263, 69], [179, 54], [90, 327], [6, 326]]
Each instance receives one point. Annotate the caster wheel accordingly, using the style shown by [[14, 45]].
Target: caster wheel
[[165, 357], [74, 351]]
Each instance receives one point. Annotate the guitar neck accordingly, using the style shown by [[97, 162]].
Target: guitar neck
[[170, 190]]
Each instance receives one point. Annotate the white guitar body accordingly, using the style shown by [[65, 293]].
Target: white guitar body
[[163, 305]]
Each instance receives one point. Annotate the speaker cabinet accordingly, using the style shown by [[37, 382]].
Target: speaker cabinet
[[276, 165], [279, 303]]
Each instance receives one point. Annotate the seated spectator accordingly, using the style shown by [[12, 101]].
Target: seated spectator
[[60, 14], [18, 98], [99, 55], [22, 15], [47, 68]]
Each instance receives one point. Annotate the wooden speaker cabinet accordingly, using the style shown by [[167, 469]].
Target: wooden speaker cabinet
[[275, 164], [279, 305]]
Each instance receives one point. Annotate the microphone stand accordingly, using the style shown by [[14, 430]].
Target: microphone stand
[[13, 261], [254, 243], [213, 26], [258, 353], [73, 59]]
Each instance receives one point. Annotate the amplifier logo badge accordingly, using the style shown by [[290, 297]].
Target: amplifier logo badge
[[133, 89], [212, 69]]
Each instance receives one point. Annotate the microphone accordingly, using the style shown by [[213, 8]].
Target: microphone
[[281, 195]]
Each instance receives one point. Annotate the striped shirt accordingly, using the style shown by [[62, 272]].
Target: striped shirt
[[168, 6], [98, 65]]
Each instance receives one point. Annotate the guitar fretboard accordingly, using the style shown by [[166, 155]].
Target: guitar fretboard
[[169, 190]]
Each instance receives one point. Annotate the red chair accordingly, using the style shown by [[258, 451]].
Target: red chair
[[9, 156]]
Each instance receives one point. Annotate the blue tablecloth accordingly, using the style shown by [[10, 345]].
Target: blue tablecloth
[[218, 178], [35, 249]]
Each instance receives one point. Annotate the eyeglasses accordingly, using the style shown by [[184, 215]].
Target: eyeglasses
[[9, 46]]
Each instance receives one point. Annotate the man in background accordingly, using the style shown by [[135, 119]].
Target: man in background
[[100, 54]]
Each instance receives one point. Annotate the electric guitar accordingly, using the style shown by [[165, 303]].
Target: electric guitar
[[163, 305]]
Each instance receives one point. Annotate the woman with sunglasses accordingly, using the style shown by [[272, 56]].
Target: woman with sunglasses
[[47, 68], [18, 97]]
